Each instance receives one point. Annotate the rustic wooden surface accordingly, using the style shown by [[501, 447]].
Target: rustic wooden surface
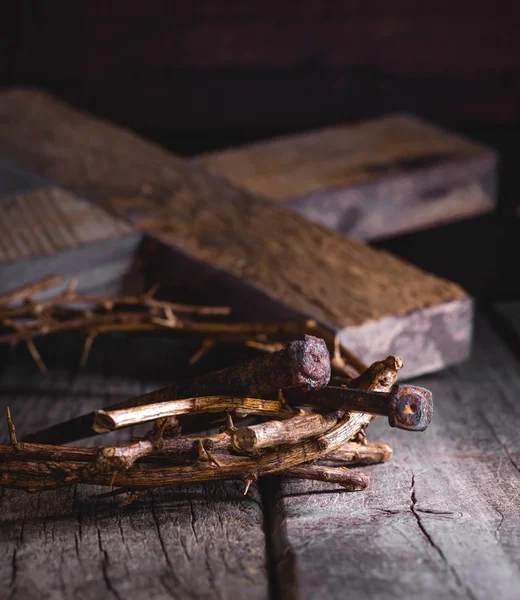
[[440, 520], [370, 179], [264, 259], [187, 542]]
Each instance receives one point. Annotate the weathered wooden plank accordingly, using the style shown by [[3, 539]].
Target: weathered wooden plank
[[441, 520], [265, 259], [368, 180], [203, 541], [45, 230]]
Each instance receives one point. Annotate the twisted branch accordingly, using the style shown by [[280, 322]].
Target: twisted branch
[[315, 443]]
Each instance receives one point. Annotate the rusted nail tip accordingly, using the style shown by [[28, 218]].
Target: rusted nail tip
[[411, 407]]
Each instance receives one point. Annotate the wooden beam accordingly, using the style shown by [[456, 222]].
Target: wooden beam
[[266, 260], [440, 520], [46, 229], [368, 180]]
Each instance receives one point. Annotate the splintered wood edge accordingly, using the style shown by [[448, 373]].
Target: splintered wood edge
[[427, 340]]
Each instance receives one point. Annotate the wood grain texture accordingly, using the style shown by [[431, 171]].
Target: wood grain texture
[[51, 220], [46, 229], [441, 520], [267, 259], [201, 541], [370, 179]]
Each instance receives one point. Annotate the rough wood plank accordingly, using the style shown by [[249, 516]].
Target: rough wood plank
[[441, 520], [51, 220], [46, 229], [267, 259], [203, 541], [368, 180]]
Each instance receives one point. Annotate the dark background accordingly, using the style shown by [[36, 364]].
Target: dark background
[[207, 74]]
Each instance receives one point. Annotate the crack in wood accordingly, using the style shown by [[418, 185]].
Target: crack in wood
[[164, 549], [417, 514], [14, 568], [104, 567]]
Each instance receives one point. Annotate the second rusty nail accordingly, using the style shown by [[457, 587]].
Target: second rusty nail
[[408, 407]]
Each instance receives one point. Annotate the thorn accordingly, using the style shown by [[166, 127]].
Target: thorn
[[206, 346], [204, 454], [87, 346], [201, 451], [212, 459], [248, 481], [152, 291], [11, 427], [230, 426], [36, 356], [168, 312]]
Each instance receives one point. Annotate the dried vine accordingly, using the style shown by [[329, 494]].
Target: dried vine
[[297, 434], [24, 318], [295, 447]]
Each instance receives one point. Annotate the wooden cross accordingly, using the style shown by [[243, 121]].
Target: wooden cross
[[78, 186]]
